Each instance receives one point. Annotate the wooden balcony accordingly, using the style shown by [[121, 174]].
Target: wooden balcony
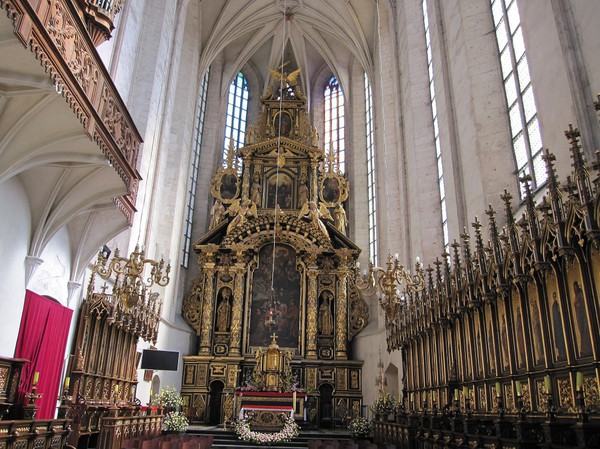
[[99, 16], [55, 33]]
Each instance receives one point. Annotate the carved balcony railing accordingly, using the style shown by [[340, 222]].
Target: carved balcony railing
[[54, 32]]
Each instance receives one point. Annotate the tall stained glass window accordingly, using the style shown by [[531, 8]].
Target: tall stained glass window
[[436, 129], [371, 172], [194, 167], [237, 110], [334, 121], [522, 112]]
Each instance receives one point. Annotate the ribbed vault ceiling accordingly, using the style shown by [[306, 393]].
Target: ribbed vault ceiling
[[311, 34]]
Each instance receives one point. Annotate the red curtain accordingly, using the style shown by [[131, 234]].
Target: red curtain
[[42, 340]]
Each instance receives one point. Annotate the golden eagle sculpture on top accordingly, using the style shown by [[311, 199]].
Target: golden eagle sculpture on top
[[283, 78]]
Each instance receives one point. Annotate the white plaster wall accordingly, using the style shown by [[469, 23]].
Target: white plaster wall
[[15, 229], [479, 111], [52, 276]]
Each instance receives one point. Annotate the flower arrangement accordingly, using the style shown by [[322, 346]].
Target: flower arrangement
[[360, 427], [176, 422], [289, 431], [168, 397], [384, 404]]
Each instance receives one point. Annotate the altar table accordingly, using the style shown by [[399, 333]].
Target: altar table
[[267, 406]]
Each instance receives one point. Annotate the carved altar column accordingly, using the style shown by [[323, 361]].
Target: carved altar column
[[311, 314], [207, 312], [236, 314], [313, 180], [341, 333], [246, 180]]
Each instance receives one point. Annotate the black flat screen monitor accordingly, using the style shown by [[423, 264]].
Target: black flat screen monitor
[[160, 360]]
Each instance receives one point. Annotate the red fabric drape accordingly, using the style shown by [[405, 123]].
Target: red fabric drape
[[42, 340]]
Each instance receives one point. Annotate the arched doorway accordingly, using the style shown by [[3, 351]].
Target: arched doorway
[[326, 406], [214, 402]]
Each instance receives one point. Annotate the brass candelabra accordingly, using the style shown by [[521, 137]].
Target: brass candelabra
[[387, 282]]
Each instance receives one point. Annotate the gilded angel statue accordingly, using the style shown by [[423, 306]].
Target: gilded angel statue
[[314, 214], [242, 210], [284, 78]]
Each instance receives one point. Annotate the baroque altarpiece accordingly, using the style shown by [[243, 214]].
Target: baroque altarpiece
[[276, 261]]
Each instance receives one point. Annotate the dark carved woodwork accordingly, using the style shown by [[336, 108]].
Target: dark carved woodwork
[[28, 434], [10, 375], [55, 33], [506, 338]]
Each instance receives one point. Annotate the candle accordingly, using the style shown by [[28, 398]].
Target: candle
[[456, 394], [466, 392], [294, 399], [519, 388], [498, 390], [579, 381], [36, 377], [547, 384], [433, 396], [67, 382], [116, 388], [424, 396]]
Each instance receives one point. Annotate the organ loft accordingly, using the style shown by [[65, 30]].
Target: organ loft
[[275, 305]]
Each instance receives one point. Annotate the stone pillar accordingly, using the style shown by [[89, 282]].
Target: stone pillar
[[311, 314], [207, 312], [236, 314], [341, 332]]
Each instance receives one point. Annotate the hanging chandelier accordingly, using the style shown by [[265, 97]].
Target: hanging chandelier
[[390, 284]]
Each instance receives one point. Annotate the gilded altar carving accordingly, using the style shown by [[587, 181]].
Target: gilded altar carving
[[275, 262]]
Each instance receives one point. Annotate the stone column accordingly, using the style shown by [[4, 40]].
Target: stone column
[[236, 314], [311, 314], [341, 333], [207, 312]]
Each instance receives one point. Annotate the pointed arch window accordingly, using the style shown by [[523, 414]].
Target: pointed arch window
[[237, 111], [522, 112], [194, 169], [371, 173], [436, 129], [334, 122]]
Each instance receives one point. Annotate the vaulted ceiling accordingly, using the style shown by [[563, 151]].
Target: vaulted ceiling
[[310, 34]]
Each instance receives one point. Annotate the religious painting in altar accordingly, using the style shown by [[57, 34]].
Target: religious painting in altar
[[535, 319], [276, 266], [578, 310], [519, 330], [280, 190], [559, 349]]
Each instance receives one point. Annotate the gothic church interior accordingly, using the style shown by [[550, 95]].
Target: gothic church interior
[[397, 196]]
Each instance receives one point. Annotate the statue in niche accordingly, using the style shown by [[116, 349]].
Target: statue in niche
[[256, 190], [341, 221], [302, 194], [224, 310], [216, 214], [325, 314]]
